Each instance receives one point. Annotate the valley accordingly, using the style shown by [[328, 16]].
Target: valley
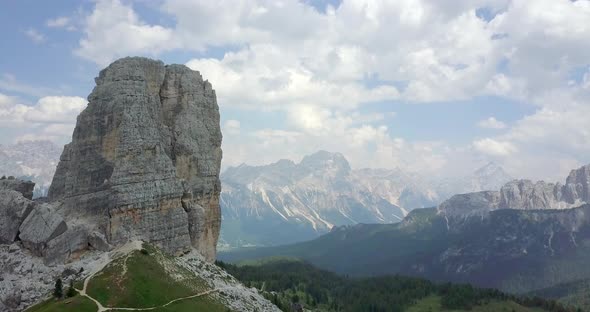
[[469, 238], [295, 156], [290, 283]]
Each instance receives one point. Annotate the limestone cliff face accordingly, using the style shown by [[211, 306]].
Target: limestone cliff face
[[145, 157], [577, 185], [523, 194]]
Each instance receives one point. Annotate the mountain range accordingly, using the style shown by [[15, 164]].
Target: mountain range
[[31, 160], [287, 202], [524, 238]]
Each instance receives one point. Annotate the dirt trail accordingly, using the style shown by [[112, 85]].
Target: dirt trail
[[168, 303], [126, 251]]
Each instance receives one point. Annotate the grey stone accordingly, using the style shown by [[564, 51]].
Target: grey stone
[[97, 241], [68, 272], [471, 204], [13, 248], [149, 138], [577, 186], [23, 187], [524, 194], [12, 300], [14, 208], [67, 246], [41, 226], [31, 275]]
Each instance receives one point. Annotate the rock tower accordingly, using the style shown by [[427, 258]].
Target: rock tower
[[144, 159]]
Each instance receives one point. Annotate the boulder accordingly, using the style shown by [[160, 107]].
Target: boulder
[[97, 241], [41, 226], [14, 208], [66, 246]]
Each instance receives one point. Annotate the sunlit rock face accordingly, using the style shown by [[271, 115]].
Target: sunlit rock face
[[524, 195], [144, 159]]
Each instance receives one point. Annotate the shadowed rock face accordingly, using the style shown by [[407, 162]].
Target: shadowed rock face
[[145, 157], [20, 186]]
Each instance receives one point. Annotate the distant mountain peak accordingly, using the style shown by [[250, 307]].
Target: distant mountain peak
[[323, 155], [36, 143], [31, 160], [489, 177], [490, 168], [285, 202], [326, 160], [285, 162]]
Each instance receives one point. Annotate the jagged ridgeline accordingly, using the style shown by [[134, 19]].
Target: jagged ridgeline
[[144, 158], [526, 237]]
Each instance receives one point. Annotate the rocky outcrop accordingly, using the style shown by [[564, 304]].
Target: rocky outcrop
[[14, 208], [523, 194], [23, 187], [40, 227], [471, 204], [26, 279], [577, 186], [144, 159]]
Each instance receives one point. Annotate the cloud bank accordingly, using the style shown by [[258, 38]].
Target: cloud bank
[[321, 69]]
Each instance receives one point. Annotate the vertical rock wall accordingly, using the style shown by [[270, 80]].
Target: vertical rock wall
[[145, 157]]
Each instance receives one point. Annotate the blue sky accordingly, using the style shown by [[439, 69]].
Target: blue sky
[[439, 88]]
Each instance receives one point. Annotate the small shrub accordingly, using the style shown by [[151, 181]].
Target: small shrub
[[144, 252]]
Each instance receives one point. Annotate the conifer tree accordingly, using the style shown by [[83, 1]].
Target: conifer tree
[[58, 292], [71, 291]]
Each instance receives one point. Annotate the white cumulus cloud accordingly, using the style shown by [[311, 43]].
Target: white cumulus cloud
[[58, 22], [52, 117], [114, 30], [231, 127], [322, 68], [34, 35], [491, 123], [494, 147]]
